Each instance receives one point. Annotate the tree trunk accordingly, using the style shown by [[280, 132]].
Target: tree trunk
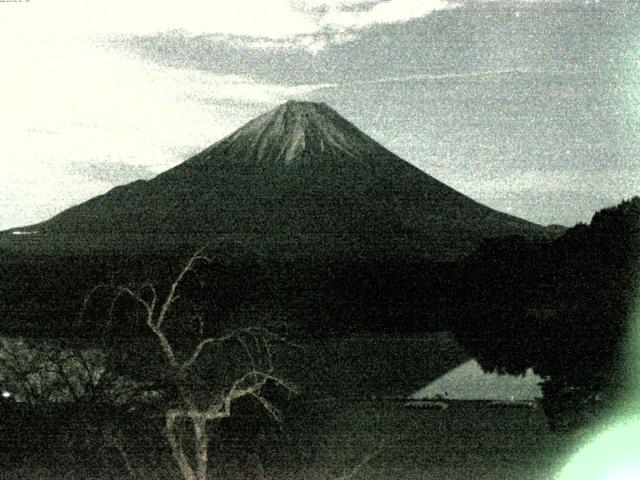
[[202, 444], [176, 449]]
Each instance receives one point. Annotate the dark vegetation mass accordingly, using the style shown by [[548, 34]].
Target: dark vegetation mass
[[560, 306], [563, 307]]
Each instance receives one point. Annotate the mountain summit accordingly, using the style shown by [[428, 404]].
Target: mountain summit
[[300, 174], [296, 134]]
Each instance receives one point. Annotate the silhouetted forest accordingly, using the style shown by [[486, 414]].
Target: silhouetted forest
[[562, 307], [46, 294]]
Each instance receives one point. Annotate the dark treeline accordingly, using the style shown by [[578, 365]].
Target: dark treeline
[[45, 295], [562, 307]]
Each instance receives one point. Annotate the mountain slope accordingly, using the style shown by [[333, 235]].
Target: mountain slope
[[293, 175]]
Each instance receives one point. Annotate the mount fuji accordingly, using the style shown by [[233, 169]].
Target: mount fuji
[[299, 178]]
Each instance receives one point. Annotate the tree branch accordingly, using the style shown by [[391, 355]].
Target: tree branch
[[171, 296], [257, 343], [198, 350]]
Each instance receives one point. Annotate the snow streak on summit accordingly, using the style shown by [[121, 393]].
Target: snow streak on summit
[[297, 131]]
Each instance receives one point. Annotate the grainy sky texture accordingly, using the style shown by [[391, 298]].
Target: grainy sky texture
[[532, 108]]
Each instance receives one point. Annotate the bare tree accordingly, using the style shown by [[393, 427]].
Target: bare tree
[[194, 406]]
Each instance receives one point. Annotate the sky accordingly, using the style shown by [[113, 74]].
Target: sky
[[530, 107]]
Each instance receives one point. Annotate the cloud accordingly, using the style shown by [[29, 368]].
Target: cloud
[[110, 172], [313, 43], [309, 24], [337, 21], [309, 88], [389, 11], [443, 76], [323, 4], [272, 19], [571, 182]]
